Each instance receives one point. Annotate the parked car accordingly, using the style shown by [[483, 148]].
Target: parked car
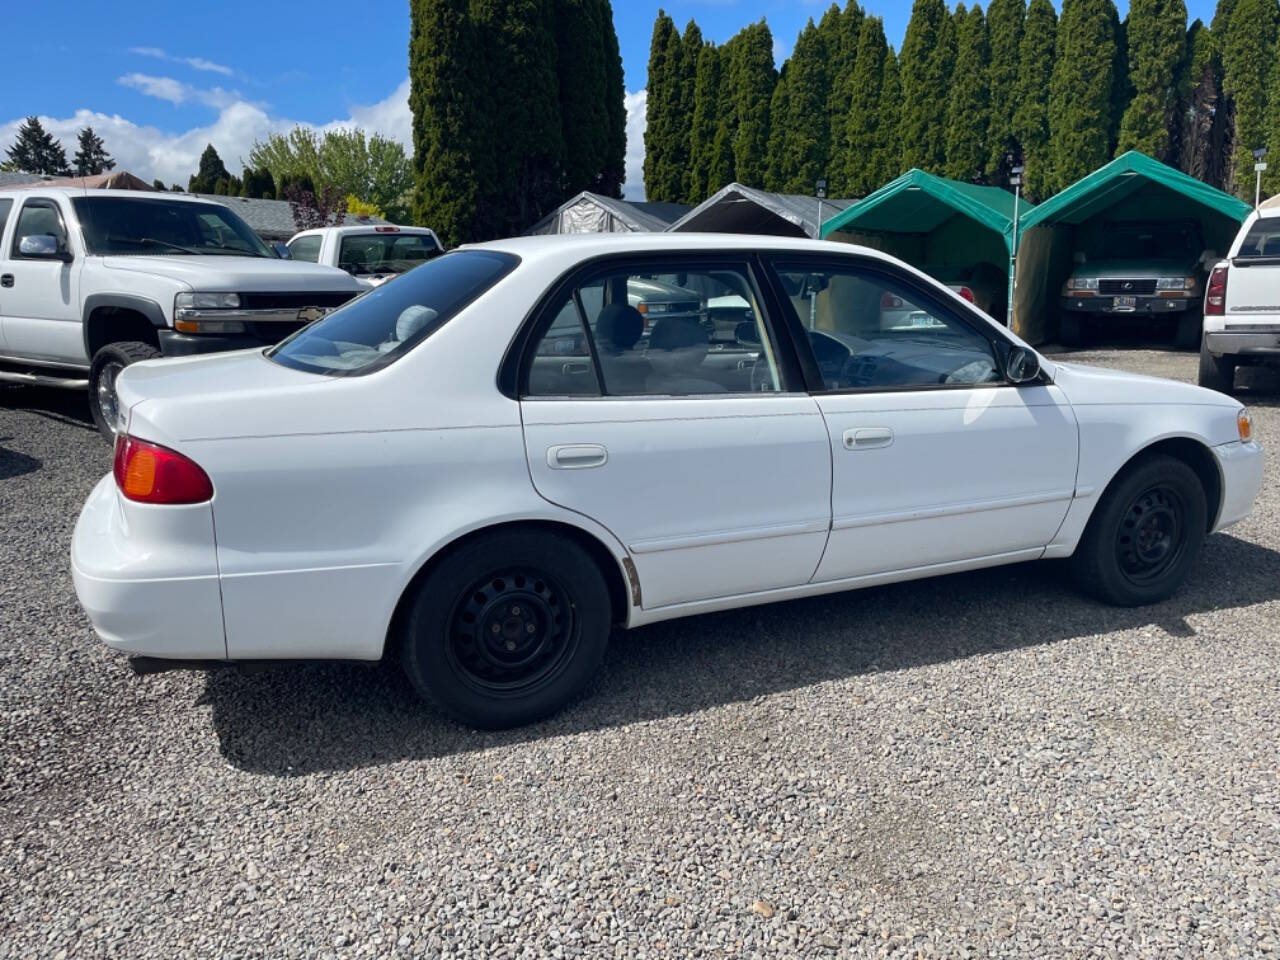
[[1242, 304], [418, 475], [983, 284], [92, 281], [372, 253], [1146, 269]]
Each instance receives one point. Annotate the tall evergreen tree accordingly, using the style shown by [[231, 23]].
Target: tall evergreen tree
[[583, 93], [1157, 47], [614, 173], [969, 103], [1005, 22], [779, 114], [928, 55], [661, 106], [259, 183], [1031, 117], [91, 156], [751, 80], [888, 162], [690, 49], [35, 150], [1202, 118], [1226, 105], [211, 171], [841, 32], [871, 157], [706, 106], [720, 165], [807, 125], [1081, 90], [1248, 54], [1121, 87], [446, 100], [521, 165]]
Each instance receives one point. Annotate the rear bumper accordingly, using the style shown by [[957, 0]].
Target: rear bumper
[[1144, 306], [1243, 344], [1241, 465], [147, 576]]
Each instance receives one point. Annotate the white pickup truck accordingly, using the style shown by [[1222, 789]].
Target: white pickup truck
[[372, 253], [1242, 303], [93, 280]]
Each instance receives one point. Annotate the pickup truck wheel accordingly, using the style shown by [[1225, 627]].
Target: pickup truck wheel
[[1189, 332], [507, 629], [1216, 373], [107, 364], [1145, 535]]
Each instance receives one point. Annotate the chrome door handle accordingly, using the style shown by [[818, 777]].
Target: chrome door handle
[[867, 438], [577, 456]]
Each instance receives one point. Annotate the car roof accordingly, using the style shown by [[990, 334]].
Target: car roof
[[350, 228], [41, 191], [585, 246]]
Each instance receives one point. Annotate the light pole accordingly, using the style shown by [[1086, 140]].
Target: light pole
[[820, 191], [1015, 181], [1258, 167]]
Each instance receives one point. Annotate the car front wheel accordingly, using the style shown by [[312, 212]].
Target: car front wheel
[[107, 364], [1145, 535], [507, 629]]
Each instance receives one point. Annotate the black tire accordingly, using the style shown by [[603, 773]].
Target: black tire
[[1216, 373], [107, 364], [1190, 330], [507, 629], [1145, 535], [1070, 333]]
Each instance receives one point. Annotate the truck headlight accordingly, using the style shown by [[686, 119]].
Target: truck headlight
[[206, 301], [1082, 283], [1176, 283]]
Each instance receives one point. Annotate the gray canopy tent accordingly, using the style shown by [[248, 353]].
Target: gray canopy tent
[[596, 213], [740, 209]]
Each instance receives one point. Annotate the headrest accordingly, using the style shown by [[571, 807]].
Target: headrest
[[675, 333], [619, 326]]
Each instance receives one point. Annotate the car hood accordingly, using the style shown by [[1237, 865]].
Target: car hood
[[1100, 385], [1135, 269], [239, 273]]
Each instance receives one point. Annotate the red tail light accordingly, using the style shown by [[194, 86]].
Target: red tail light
[[1215, 293], [149, 473], [890, 302], [966, 293]]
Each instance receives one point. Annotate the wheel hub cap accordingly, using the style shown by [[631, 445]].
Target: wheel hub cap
[[108, 402]]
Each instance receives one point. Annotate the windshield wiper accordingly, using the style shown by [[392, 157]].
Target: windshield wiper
[[162, 243]]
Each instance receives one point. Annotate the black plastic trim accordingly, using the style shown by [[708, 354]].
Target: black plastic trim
[[174, 344]]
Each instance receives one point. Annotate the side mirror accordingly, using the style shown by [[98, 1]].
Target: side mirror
[[43, 246], [745, 332], [1078, 258], [282, 250], [1022, 366]]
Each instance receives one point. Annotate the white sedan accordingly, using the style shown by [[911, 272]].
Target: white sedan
[[484, 467]]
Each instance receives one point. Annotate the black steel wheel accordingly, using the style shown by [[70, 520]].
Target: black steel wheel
[[507, 628], [1145, 535]]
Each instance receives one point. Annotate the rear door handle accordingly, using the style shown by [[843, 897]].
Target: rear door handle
[[867, 438], [6, 280], [577, 456]]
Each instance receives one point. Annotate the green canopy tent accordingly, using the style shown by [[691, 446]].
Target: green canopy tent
[[933, 223], [1132, 187]]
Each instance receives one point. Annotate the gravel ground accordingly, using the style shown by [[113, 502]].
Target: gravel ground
[[980, 765]]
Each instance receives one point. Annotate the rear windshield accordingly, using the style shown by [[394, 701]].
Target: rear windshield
[[1145, 241], [371, 253], [159, 227], [376, 328], [1263, 239]]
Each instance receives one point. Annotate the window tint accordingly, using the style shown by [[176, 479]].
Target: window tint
[[664, 330], [866, 333], [306, 248], [37, 218], [562, 363], [385, 252], [5, 207], [137, 227], [382, 325], [1263, 239]]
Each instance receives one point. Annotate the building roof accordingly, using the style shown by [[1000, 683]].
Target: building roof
[[1121, 178], [596, 213], [920, 202], [20, 179], [741, 209], [272, 219]]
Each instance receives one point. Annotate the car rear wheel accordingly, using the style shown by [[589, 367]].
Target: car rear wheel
[[1216, 373], [507, 629], [108, 363], [1145, 535]]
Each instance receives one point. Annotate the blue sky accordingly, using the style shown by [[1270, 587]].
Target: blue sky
[[159, 80]]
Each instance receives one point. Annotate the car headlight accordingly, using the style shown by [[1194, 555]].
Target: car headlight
[[1176, 283], [1082, 283], [206, 301]]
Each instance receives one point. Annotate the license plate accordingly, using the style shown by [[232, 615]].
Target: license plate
[[1122, 302]]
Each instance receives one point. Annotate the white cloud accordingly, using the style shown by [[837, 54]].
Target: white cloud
[[389, 117], [197, 63], [177, 92], [633, 187]]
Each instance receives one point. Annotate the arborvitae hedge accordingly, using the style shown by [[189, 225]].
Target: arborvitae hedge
[[1005, 22], [1157, 48], [1081, 90], [969, 103], [928, 55]]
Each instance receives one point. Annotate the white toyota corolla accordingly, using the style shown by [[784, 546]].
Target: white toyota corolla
[[485, 464]]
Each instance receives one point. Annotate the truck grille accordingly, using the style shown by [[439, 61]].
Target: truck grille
[[1141, 287], [286, 301]]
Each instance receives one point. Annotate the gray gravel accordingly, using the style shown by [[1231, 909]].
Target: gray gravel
[[981, 765]]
